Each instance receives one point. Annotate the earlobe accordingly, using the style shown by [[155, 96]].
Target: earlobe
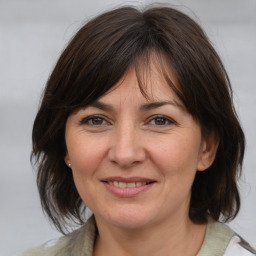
[[208, 151], [67, 160]]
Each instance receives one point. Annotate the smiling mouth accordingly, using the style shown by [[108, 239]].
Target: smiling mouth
[[120, 184], [127, 187]]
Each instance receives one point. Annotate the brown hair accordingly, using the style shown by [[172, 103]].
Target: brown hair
[[95, 60]]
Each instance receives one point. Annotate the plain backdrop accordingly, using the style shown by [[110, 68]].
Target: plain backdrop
[[32, 35]]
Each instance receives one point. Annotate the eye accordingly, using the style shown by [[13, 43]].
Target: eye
[[160, 121], [94, 121]]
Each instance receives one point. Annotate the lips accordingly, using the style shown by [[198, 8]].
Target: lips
[[127, 187]]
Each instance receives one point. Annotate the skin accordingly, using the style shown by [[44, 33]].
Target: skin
[[125, 135]]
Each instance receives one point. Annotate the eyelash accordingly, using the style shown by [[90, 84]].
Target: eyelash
[[90, 119]]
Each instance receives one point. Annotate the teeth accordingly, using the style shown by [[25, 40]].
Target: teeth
[[122, 185], [126, 185], [131, 185]]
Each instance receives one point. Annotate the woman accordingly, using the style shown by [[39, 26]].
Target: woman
[[137, 124]]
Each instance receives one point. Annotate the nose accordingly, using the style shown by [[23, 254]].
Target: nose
[[127, 148]]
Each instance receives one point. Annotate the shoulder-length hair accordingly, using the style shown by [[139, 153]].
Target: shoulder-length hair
[[95, 60]]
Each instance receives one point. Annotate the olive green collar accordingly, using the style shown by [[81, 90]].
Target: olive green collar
[[216, 239]]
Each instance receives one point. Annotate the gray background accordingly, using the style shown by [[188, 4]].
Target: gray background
[[32, 35]]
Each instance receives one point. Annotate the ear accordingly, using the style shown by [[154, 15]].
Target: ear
[[67, 159], [209, 146]]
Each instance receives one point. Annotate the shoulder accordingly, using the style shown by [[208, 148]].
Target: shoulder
[[222, 240], [238, 247], [80, 240]]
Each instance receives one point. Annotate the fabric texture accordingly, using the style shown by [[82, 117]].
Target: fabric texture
[[78, 243], [219, 240], [216, 239]]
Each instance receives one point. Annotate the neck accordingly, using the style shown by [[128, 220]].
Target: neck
[[180, 237]]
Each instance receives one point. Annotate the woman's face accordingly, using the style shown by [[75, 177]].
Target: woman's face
[[134, 159]]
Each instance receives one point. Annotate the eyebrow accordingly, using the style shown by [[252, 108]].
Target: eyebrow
[[102, 106], [144, 107], [158, 104]]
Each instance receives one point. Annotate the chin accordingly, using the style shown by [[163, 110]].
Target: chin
[[129, 219], [129, 223]]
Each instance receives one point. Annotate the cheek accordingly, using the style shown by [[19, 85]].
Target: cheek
[[177, 155], [86, 154], [85, 161]]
